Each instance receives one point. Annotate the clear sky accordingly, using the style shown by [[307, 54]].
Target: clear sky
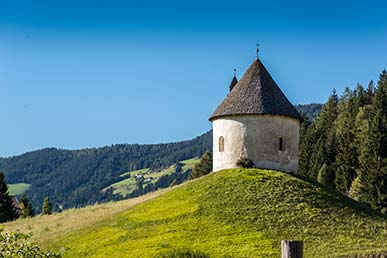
[[82, 73]]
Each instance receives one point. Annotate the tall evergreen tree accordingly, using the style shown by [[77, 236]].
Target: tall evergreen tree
[[323, 150], [346, 158], [371, 184], [306, 144], [26, 207], [47, 207], [7, 210], [369, 94], [361, 188], [380, 105], [326, 175]]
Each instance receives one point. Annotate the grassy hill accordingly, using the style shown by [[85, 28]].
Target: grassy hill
[[232, 213]]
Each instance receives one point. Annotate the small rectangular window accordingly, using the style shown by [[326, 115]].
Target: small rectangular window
[[281, 144], [221, 144]]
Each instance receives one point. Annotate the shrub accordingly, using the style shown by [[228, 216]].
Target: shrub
[[183, 253], [245, 163], [18, 245]]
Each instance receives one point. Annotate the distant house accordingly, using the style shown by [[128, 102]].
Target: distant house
[[16, 205]]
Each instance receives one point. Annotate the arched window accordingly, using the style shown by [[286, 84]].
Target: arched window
[[281, 144], [221, 144]]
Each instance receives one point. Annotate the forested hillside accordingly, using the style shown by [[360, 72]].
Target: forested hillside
[[311, 111], [76, 178], [345, 147]]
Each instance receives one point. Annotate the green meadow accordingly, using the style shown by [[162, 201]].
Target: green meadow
[[231, 213], [19, 188], [128, 185]]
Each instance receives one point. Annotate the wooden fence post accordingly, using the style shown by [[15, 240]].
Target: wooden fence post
[[292, 249]]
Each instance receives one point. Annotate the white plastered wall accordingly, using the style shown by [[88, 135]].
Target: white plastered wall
[[256, 137]]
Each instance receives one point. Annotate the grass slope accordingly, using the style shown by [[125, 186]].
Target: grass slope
[[20, 188], [46, 229], [232, 213]]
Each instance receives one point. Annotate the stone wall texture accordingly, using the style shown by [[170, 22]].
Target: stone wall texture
[[256, 137]]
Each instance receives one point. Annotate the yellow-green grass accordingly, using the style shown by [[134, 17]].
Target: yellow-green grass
[[47, 228], [231, 213], [19, 188]]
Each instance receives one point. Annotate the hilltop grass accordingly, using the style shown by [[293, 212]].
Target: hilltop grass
[[14, 189], [232, 213]]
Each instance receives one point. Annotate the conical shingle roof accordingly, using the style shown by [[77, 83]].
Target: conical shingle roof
[[256, 93]]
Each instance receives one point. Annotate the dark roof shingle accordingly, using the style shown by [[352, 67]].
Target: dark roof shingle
[[256, 93]]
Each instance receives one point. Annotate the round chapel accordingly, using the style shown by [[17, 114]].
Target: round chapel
[[256, 121]]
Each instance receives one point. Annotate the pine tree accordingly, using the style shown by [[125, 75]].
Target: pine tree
[[371, 183], [369, 94], [204, 167], [346, 152], [306, 143], [326, 175], [324, 148], [361, 188], [30, 210], [26, 207], [380, 105], [7, 211], [47, 207]]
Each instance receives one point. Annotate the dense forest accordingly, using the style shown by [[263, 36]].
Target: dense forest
[[345, 147], [75, 178]]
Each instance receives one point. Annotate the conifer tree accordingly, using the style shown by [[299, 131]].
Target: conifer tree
[[324, 150], [47, 207], [346, 158], [204, 167], [326, 175], [30, 210], [369, 94], [359, 98], [361, 188], [306, 144], [26, 207], [7, 211], [371, 182]]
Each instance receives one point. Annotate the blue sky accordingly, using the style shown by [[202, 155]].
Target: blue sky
[[77, 74]]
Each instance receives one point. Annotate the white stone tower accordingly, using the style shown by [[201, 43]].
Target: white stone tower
[[256, 121]]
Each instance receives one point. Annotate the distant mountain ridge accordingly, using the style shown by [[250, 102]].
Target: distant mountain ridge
[[310, 110], [74, 178]]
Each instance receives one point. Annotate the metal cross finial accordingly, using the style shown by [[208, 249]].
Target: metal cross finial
[[234, 72], [257, 45]]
